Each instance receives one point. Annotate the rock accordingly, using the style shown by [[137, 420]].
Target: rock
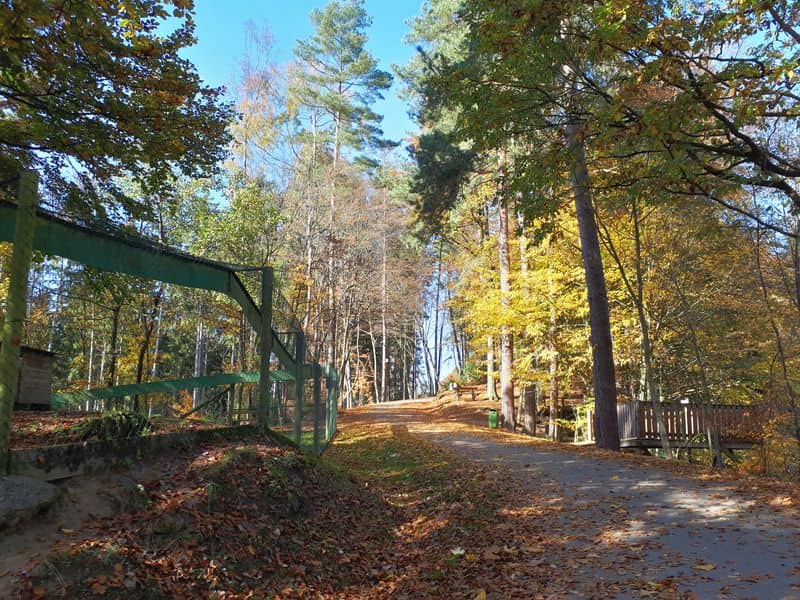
[[23, 498], [126, 494]]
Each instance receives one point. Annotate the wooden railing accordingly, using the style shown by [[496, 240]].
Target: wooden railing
[[684, 422]]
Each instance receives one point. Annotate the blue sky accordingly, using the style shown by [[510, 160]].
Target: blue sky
[[221, 35]]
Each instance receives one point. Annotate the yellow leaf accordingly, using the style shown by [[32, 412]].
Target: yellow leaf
[[705, 567], [481, 595]]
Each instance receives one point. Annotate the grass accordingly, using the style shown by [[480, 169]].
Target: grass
[[440, 502]]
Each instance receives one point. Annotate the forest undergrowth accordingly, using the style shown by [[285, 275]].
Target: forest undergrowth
[[382, 514]]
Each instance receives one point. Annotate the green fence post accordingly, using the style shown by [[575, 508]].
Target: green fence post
[[317, 406], [299, 386], [27, 199], [264, 399]]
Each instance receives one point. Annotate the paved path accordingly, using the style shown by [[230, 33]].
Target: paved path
[[640, 521]]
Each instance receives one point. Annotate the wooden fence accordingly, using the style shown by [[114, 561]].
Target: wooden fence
[[687, 424]]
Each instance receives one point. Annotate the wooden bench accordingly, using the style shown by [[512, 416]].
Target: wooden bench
[[470, 388]]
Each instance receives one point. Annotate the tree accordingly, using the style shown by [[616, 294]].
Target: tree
[[486, 96], [90, 91], [506, 336], [340, 81]]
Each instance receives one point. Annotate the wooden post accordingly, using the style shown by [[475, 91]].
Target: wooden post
[[299, 385], [264, 399], [529, 394], [317, 405], [27, 199]]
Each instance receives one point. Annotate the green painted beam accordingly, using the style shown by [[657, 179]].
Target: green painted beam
[[166, 386], [139, 258]]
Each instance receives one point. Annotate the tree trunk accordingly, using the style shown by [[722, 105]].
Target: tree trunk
[[552, 351], [712, 435], [149, 326], [506, 336], [157, 347], [358, 360], [374, 364], [90, 369], [436, 346], [414, 367], [605, 388], [458, 357], [348, 392], [523, 254], [636, 293], [491, 392], [530, 394], [332, 247], [16, 307], [309, 208], [112, 368], [647, 348], [102, 374], [199, 341], [384, 356], [429, 367], [404, 354]]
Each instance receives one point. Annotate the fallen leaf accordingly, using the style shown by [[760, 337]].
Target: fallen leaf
[[99, 589], [705, 566]]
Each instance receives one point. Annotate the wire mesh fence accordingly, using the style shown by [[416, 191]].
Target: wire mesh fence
[[312, 422], [132, 332]]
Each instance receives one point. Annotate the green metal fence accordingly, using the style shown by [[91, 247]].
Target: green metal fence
[[292, 396]]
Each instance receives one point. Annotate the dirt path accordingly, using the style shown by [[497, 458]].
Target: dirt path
[[624, 522]]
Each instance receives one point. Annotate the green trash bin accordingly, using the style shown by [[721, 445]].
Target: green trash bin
[[492, 418]]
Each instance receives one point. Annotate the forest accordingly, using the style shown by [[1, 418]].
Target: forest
[[601, 202]]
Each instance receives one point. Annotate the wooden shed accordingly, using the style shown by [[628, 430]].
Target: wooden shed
[[35, 379]]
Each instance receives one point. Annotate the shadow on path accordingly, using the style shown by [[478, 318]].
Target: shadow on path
[[625, 522]]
